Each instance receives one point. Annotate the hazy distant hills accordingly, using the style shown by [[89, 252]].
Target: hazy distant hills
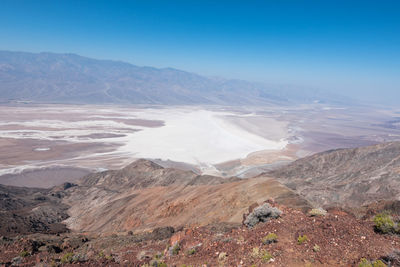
[[69, 78]]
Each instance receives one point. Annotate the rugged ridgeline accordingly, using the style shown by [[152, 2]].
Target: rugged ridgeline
[[69, 78], [141, 196], [351, 177], [145, 195]]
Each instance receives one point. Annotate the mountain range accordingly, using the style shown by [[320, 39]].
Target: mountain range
[[70, 78]]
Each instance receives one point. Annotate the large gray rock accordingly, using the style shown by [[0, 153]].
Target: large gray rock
[[262, 213]]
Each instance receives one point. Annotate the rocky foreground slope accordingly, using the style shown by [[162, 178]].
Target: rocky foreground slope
[[293, 239], [351, 177]]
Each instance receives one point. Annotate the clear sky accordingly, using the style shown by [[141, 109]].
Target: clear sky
[[352, 47]]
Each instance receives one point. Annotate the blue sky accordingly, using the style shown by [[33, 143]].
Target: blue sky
[[350, 47]]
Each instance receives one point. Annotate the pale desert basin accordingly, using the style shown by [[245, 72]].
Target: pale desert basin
[[40, 144], [98, 138]]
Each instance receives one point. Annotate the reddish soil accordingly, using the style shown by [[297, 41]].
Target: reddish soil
[[342, 239]]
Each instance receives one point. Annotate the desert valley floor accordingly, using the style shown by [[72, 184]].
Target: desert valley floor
[[66, 142]]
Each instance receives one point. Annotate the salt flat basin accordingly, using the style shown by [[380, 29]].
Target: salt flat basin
[[197, 137], [111, 137]]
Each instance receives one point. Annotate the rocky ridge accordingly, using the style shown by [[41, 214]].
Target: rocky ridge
[[346, 177]]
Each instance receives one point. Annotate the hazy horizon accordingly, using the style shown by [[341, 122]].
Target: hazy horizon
[[350, 48]]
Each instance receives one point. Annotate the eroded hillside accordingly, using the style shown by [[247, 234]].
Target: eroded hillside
[[145, 195], [351, 177]]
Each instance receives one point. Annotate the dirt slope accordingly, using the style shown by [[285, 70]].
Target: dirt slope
[[342, 240]]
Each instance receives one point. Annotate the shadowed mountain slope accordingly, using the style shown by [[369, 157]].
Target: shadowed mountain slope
[[30, 210], [352, 177]]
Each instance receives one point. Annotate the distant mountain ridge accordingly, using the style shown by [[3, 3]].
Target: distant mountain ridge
[[70, 78]]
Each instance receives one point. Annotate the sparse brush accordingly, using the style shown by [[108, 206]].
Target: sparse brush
[[175, 249], [302, 239], [270, 238], [364, 263], [191, 251], [262, 254], [378, 263], [67, 258], [265, 256], [384, 223], [24, 254], [317, 212]]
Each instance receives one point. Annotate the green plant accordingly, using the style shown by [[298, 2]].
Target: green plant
[[24, 254], [378, 263], [109, 257], [157, 256], [175, 249], [265, 256], [262, 254], [191, 251], [302, 239], [364, 263], [384, 223], [270, 238], [67, 258]]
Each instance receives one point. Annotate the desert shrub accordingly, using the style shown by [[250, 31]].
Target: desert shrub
[[191, 251], [109, 257], [175, 249], [316, 248], [378, 263], [317, 212], [262, 213], [67, 258], [255, 252], [302, 239], [364, 263], [384, 223], [265, 256], [24, 254], [270, 238], [262, 254]]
